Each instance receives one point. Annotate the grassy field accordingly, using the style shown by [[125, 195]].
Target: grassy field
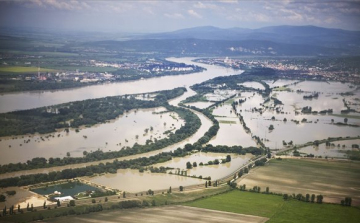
[[16, 69], [333, 179], [178, 198], [85, 69], [278, 210], [227, 122], [281, 89]]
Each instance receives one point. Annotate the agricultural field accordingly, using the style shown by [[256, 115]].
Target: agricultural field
[[164, 214], [333, 179], [277, 209], [17, 69]]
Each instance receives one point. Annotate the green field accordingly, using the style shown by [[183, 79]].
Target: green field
[[16, 69], [85, 69], [333, 179], [227, 122], [278, 210]]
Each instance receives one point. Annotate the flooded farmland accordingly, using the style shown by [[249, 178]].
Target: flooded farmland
[[133, 181], [337, 149], [213, 171], [126, 130]]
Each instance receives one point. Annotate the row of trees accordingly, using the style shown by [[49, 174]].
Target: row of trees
[[87, 112], [138, 163], [212, 130], [232, 149], [192, 124], [306, 198]]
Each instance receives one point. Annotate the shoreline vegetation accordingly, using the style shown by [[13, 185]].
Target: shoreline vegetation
[[79, 113]]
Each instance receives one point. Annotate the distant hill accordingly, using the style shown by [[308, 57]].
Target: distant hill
[[301, 35], [206, 47]]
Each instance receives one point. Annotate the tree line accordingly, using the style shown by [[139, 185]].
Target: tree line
[[87, 112], [192, 124]]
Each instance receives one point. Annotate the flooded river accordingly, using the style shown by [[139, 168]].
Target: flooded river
[[27, 100]]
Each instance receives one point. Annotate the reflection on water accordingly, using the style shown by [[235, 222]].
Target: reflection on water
[[107, 137]]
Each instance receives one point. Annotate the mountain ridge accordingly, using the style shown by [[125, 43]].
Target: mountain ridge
[[303, 35]]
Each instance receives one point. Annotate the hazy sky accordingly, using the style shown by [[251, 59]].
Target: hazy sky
[[155, 16]]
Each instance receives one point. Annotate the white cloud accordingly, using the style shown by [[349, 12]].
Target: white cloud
[[148, 10], [174, 15], [291, 14], [201, 5], [59, 4], [194, 14], [229, 1]]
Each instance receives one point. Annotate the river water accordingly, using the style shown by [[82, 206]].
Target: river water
[[34, 99]]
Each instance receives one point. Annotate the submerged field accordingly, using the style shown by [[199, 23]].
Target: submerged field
[[278, 210], [333, 179]]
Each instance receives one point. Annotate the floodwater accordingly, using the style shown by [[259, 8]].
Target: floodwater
[[231, 132], [27, 100], [133, 181], [205, 125], [279, 83], [219, 95], [338, 150], [323, 102], [200, 104], [110, 136], [321, 86], [22, 198], [213, 171], [253, 84], [316, 127]]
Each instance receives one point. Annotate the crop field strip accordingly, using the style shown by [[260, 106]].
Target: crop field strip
[[308, 176]]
